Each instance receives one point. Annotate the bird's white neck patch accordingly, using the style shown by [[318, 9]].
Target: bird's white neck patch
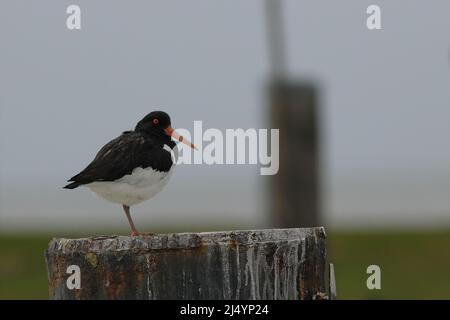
[[167, 148]]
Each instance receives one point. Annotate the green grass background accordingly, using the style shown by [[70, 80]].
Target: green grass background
[[414, 264]]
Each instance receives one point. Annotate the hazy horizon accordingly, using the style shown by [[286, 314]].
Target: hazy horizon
[[384, 99]]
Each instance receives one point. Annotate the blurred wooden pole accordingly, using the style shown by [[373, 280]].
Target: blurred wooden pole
[[275, 38], [295, 189], [256, 264]]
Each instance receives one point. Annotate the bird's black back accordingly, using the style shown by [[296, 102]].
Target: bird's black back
[[122, 155]]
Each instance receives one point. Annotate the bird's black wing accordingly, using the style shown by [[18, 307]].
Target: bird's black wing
[[121, 156]]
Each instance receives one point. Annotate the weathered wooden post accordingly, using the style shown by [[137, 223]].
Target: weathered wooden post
[[257, 264]]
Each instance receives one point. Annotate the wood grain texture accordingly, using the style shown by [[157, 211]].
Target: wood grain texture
[[254, 264]]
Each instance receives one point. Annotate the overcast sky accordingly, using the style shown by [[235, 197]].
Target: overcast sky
[[384, 96]]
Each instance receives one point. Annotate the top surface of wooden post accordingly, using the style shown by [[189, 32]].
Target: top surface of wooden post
[[253, 264]]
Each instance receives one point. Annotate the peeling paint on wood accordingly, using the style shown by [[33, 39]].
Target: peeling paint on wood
[[254, 264]]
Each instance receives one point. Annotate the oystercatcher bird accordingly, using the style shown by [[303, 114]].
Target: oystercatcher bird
[[133, 167]]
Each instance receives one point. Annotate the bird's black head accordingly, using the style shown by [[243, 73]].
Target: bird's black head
[[155, 121], [157, 124]]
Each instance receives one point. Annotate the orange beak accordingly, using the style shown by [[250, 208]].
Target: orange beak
[[177, 137]]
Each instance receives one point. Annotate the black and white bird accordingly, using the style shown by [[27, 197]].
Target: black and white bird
[[135, 166]]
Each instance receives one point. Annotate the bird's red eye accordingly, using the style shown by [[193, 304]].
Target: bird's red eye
[[155, 121]]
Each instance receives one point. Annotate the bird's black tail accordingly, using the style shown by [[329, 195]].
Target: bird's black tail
[[73, 185]]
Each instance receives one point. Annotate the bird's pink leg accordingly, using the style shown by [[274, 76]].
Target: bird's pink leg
[[134, 231]]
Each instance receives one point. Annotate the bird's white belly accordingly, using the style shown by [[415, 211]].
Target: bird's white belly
[[140, 185]]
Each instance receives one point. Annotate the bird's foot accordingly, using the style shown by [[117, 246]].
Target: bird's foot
[[134, 233]]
